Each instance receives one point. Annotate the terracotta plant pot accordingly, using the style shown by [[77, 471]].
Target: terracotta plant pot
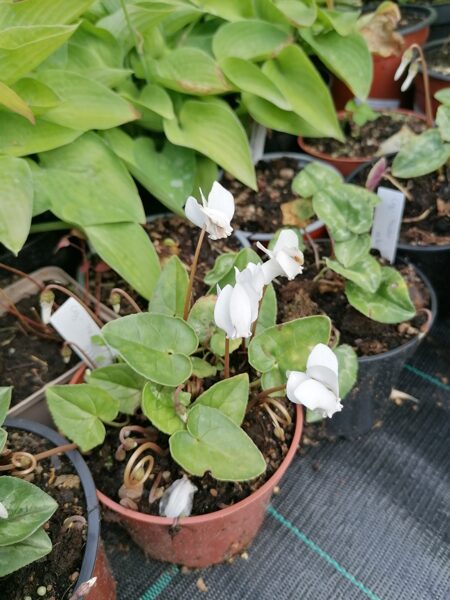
[[95, 563], [204, 540], [438, 81], [346, 165], [385, 92], [34, 406]]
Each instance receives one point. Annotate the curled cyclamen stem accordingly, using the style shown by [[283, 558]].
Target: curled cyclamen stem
[[278, 430], [24, 463], [187, 302], [75, 521], [114, 300], [138, 470], [149, 435], [60, 288]]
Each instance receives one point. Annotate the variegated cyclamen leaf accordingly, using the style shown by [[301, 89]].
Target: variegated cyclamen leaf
[[422, 155]]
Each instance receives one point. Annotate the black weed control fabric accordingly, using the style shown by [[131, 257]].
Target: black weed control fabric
[[368, 518]]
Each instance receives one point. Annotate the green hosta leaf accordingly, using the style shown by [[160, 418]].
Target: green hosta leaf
[[443, 96], [347, 368], [168, 174], [28, 508], [156, 346], [213, 442], [443, 122], [231, 10], [313, 177], [203, 369], [212, 128], [16, 556], [85, 104], [171, 289], [5, 401], [79, 411], [302, 86], [122, 383], [158, 406], [230, 396], [366, 273], [191, 71], [343, 22], [201, 317], [24, 48], [248, 77], [128, 250], [348, 57], [3, 438], [300, 14], [345, 209], [10, 99], [41, 12], [206, 173], [390, 304], [217, 343], [250, 40], [36, 94], [266, 10], [353, 250], [286, 347], [267, 316], [422, 155], [86, 184], [20, 138], [155, 98], [16, 202]]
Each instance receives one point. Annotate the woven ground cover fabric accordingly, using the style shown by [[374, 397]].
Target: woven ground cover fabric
[[368, 518]]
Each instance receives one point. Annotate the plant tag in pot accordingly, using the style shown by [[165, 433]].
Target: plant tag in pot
[[78, 328], [387, 222]]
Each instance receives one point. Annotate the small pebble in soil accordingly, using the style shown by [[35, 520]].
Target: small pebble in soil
[[244, 555], [41, 591], [74, 576], [201, 585]]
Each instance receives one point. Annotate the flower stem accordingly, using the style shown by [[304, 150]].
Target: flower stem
[[187, 302], [226, 370], [271, 390], [60, 288], [127, 297], [426, 85]]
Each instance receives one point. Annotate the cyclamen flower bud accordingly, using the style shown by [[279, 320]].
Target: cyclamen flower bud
[[46, 301], [114, 300], [66, 353]]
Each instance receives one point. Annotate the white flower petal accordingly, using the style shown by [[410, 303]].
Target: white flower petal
[[315, 396], [222, 200], [217, 224], [291, 266], [194, 212], [326, 376], [271, 269], [222, 310], [177, 500], [240, 313], [295, 378], [287, 239], [3, 511], [322, 355]]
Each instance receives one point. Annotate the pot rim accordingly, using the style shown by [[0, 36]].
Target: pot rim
[[88, 486], [435, 74], [358, 160], [224, 512], [429, 16], [402, 245]]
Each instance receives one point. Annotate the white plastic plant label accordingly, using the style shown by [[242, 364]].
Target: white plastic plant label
[[387, 222], [257, 141], [78, 329]]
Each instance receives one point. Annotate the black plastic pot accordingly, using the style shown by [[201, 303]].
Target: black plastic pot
[[94, 562], [441, 25], [377, 375], [437, 80]]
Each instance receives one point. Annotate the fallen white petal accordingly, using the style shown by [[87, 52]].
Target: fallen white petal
[[177, 500]]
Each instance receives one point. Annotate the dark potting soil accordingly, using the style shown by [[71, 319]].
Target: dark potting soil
[[58, 571], [426, 217], [438, 59], [171, 235], [364, 142], [212, 495], [261, 211], [304, 297], [27, 360]]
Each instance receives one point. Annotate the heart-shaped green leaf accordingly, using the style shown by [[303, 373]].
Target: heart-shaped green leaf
[[353, 250], [158, 405], [16, 556], [171, 289], [223, 272], [28, 508], [201, 317], [202, 368], [213, 442], [79, 411], [366, 273], [313, 177], [122, 383], [390, 304], [156, 346], [217, 343], [16, 202], [230, 396], [422, 155], [342, 21], [347, 368]]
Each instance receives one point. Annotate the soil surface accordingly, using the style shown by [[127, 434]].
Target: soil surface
[[261, 211], [27, 360], [59, 570], [365, 141], [426, 217], [212, 495], [304, 297], [439, 59]]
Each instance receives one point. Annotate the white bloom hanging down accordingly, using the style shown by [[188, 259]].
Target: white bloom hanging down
[[286, 259], [237, 306], [177, 500], [3, 511], [318, 388], [214, 214]]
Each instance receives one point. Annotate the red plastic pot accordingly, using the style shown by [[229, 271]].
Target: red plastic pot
[[438, 81], [347, 165], [205, 540], [385, 92]]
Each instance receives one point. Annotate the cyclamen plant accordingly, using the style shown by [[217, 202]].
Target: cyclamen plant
[[167, 357]]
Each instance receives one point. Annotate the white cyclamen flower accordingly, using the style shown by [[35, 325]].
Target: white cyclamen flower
[[214, 214], [286, 258], [406, 59], [237, 306], [412, 72], [318, 388], [3, 511], [177, 500], [46, 301]]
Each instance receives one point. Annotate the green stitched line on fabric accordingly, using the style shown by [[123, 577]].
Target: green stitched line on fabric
[[315, 548], [427, 377], [160, 584]]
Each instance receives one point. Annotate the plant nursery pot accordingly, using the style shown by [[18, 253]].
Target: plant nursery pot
[[95, 562], [440, 27], [385, 92], [438, 81], [34, 407], [347, 165], [377, 375]]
